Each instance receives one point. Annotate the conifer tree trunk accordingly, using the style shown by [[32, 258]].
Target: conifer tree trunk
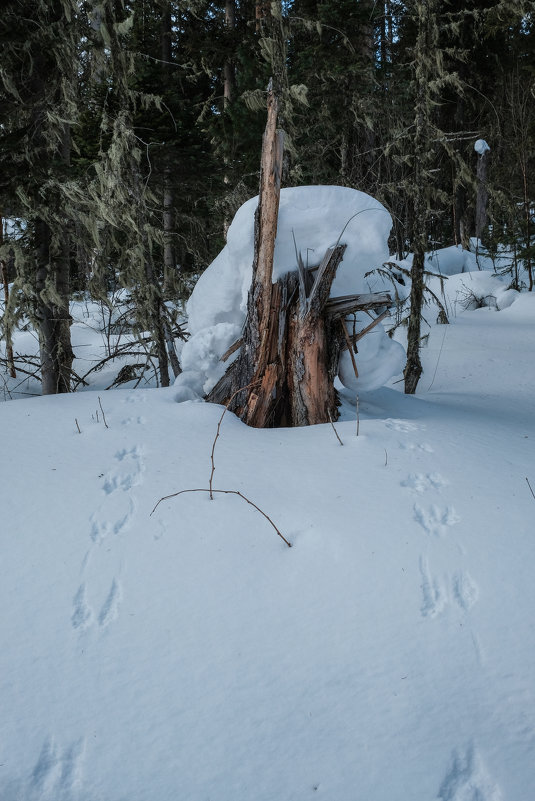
[[228, 68], [482, 193], [52, 314], [169, 253], [52, 260], [425, 43]]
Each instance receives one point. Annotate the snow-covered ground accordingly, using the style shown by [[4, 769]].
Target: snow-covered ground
[[388, 655]]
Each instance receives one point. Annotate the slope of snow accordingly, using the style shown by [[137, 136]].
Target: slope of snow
[[388, 655]]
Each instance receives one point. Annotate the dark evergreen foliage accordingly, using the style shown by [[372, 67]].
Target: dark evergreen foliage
[[130, 133]]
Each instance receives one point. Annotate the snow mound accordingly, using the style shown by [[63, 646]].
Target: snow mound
[[474, 290], [311, 219]]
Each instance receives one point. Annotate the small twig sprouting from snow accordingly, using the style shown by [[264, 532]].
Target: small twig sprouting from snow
[[225, 492], [531, 488], [334, 429], [225, 410], [386, 458], [102, 410], [210, 490], [77, 426], [358, 416]]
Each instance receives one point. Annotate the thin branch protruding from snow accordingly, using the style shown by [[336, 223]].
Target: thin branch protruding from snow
[[225, 492]]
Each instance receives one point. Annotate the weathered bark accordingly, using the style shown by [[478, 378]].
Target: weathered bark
[[482, 193], [413, 367], [293, 382], [425, 44], [5, 281], [292, 338], [228, 67], [169, 250], [7, 327], [171, 352], [53, 317], [169, 254], [305, 335], [156, 319]]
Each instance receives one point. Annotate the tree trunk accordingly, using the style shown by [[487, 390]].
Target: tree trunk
[[169, 254], [7, 325], [228, 67], [53, 318], [169, 250], [482, 193], [290, 350], [156, 318], [425, 45]]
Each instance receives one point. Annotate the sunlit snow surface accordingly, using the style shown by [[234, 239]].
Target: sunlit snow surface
[[311, 219], [191, 655]]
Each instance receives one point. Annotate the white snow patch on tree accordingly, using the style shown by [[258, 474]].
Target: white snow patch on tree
[[481, 147]]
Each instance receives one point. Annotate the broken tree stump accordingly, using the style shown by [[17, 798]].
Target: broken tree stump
[[292, 340]]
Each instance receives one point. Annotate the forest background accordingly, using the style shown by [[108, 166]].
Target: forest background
[[130, 133]]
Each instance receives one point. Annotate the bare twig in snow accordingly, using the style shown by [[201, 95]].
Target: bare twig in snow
[[210, 490], [334, 429], [102, 410], [225, 492], [531, 488], [225, 410]]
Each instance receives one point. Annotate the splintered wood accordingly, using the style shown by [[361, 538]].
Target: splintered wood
[[290, 350]]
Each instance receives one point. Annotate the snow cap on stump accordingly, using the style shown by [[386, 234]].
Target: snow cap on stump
[[311, 218]]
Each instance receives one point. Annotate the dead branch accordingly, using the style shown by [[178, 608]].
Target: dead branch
[[369, 327], [225, 410], [233, 348], [225, 492], [334, 429], [102, 410], [349, 347]]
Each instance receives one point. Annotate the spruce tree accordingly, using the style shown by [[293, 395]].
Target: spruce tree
[[39, 107]]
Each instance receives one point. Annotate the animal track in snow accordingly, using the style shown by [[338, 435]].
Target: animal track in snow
[[130, 472], [404, 426], [101, 528], [435, 520], [467, 779], [115, 514], [111, 605], [421, 446], [137, 420], [465, 590], [434, 596], [135, 397], [57, 771], [82, 615], [420, 482]]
